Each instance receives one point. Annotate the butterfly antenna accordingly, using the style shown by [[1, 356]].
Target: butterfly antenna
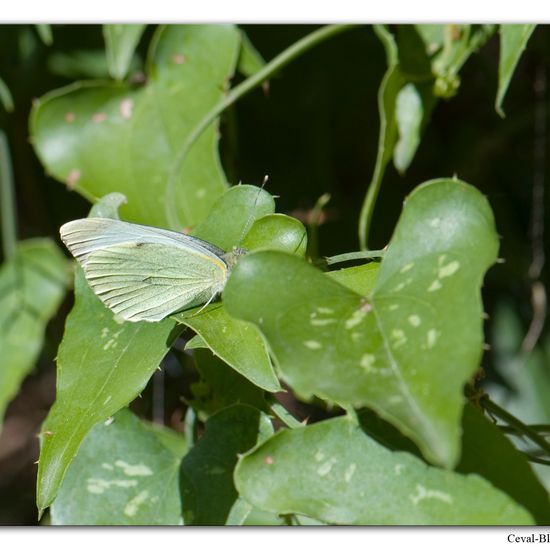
[[250, 220]]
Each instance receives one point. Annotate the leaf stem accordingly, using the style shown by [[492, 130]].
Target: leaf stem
[[360, 255], [277, 63], [515, 423], [282, 414], [7, 200]]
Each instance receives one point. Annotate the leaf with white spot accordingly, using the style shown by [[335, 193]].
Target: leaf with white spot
[[207, 487], [126, 473], [332, 471], [102, 365], [407, 349], [137, 131]]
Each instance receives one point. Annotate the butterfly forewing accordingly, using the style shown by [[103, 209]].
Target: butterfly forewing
[[145, 273]]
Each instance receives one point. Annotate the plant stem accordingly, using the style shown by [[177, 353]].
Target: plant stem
[[540, 428], [517, 424], [282, 414], [361, 255], [277, 63], [313, 225], [8, 209]]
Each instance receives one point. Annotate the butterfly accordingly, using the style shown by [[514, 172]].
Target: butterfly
[[145, 273]]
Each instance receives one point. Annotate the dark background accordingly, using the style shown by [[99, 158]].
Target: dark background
[[314, 131]]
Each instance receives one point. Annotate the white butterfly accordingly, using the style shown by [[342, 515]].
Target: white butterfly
[[144, 273]]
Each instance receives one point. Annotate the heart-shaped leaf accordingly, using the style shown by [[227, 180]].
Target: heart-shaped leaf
[[126, 473], [102, 365], [408, 349], [138, 130], [334, 472]]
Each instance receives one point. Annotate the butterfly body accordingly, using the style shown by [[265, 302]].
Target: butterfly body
[[146, 273]]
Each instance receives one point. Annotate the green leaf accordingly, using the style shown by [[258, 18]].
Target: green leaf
[[207, 488], [513, 40], [360, 279], [233, 214], [32, 285], [120, 44], [277, 232], [126, 473], [221, 386], [250, 59], [100, 138], [236, 342], [334, 472], [77, 64], [45, 33], [102, 365], [486, 451], [408, 349]]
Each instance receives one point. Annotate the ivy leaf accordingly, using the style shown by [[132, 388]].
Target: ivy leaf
[[207, 470], [408, 349], [334, 472], [120, 44], [137, 131], [126, 473], [513, 40], [102, 365], [33, 283]]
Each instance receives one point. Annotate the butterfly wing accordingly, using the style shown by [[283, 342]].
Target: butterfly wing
[[144, 273]]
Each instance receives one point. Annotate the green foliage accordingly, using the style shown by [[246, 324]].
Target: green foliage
[[102, 365], [137, 131], [126, 473], [120, 44], [32, 285], [207, 470], [260, 375], [424, 310], [333, 472], [513, 40]]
